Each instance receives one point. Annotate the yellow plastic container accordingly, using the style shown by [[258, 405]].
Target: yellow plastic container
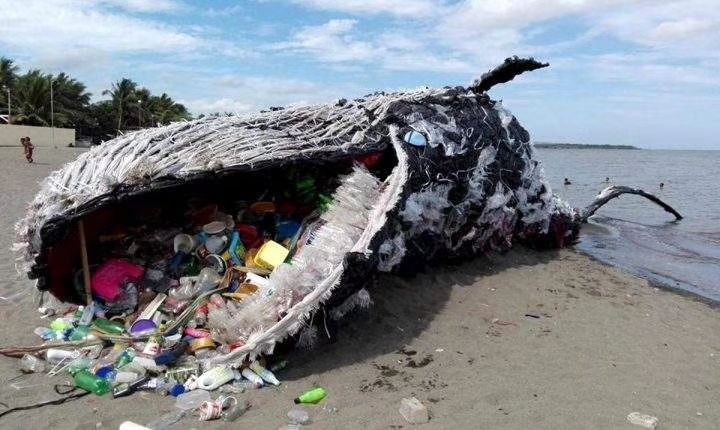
[[271, 255]]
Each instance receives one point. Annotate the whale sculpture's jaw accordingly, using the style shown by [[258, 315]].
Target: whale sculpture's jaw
[[358, 214]]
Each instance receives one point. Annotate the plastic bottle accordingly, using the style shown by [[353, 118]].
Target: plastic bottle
[[235, 411], [215, 377], [127, 388], [311, 396], [89, 382], [265, 374], [192, 399], [87, 314], [31, 364], [54, 356], [45, 333], [123, 376], [79, 332], [148, 364], [125, 357], [252, 377], [298, 416], [107, 326]]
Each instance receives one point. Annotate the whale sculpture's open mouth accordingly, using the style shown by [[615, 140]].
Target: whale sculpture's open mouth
[[364, 187]]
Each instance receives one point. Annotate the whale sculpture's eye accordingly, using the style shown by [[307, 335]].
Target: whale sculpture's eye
[[415, 138]]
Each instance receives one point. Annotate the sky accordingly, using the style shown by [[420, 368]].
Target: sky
[[637, 72]]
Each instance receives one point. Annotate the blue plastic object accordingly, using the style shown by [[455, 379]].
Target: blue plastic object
[[234, 239], [176, 390], [286, 229]]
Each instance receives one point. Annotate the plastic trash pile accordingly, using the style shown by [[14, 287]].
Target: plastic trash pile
[[163, 299]]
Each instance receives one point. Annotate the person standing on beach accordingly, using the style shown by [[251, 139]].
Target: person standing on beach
[[28, 147]]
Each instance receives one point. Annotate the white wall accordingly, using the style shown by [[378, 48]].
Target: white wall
[[10, 135]]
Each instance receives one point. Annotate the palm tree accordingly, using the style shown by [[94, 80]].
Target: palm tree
[[71, 100], [122, 93], [31, 95], [8, 71], [165, 110]]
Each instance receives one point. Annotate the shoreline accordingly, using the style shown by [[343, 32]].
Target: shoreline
[[713, 304]]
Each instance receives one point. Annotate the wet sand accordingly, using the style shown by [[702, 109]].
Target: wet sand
[[521, 340]]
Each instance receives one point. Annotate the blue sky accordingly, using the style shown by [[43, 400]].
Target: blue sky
[[640, 72]]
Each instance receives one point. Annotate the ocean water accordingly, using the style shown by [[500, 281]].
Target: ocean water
[[635, 234]]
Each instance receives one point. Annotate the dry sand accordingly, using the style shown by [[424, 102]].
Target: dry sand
[[604, 344]]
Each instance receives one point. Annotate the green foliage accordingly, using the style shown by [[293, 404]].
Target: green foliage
[[130, 107]]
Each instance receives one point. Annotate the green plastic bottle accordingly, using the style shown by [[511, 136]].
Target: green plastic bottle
[[79, 332], [109, 327], [312, 396], [125, 357], [89, 382]]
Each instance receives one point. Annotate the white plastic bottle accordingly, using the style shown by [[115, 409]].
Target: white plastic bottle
[[215, 377], [252, 377]]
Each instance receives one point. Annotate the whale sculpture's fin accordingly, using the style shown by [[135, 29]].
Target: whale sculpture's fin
[[614, 191], [511, 67]]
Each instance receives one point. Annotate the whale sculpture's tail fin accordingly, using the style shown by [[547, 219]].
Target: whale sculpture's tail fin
[[505, 72], [614, 191]]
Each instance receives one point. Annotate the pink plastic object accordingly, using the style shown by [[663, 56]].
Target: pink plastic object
[[109, 277], [195, 332]]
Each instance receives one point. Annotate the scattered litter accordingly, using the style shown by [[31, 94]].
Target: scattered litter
[[192, 399], [311, 396], [298, 416], [167, 292], [413, 411], [643, 420]]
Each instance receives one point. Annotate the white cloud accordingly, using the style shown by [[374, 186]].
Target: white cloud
[[224, 11], [331, 42], [145, 5], [222, 105], [44, 28], [683, 28], [404, 8]]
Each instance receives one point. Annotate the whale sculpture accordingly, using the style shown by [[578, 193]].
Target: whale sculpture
[[459, 177]]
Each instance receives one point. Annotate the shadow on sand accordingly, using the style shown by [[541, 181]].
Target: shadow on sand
[[403, 307]]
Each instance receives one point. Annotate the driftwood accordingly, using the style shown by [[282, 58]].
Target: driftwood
[[615, 191]]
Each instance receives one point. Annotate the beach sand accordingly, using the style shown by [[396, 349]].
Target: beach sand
[[525, 339]]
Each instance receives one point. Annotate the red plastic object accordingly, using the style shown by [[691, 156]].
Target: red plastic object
[[248, 234], [109, 277]]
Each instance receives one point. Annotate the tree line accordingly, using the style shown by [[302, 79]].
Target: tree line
[[129, 106]]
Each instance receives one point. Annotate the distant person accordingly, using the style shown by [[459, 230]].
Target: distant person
[[28, 147], [567, 182], [607, 179], [662, 185]]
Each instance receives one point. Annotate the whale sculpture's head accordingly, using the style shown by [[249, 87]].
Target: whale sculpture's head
[[457, 176]]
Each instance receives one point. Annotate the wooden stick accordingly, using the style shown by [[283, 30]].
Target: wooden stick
[[85, 264]]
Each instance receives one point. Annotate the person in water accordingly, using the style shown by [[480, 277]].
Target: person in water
[[567, 181], [662, 184], [607, 179], [28, 148]]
